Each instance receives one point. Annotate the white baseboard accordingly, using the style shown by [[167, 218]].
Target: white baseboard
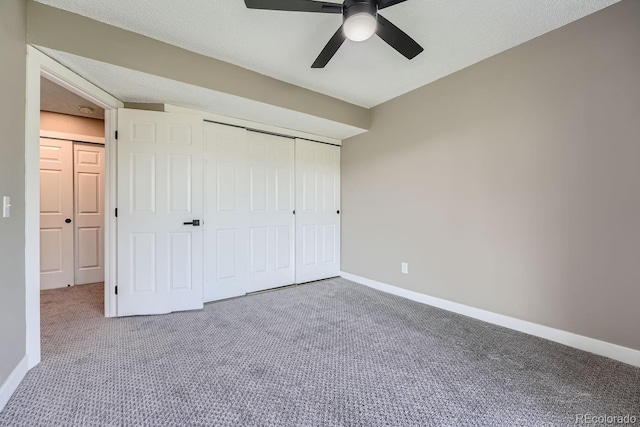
[[591, 345], [12, 383]]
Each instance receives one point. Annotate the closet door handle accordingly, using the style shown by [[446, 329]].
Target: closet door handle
[[68, 220], [338, 212], [195, 223]]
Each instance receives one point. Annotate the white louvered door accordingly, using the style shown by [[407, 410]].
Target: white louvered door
[[160, 258]]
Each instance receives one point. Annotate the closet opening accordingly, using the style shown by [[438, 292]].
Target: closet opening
[[72, 196]]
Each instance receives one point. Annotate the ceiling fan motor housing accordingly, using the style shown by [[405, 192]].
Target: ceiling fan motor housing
[[354, 7]]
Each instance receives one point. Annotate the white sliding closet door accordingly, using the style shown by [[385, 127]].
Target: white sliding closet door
[[88, 192], [226, 210], [160, 261], [248, 215], [317, 211], [271, 218], [56, 213], [254, 182]]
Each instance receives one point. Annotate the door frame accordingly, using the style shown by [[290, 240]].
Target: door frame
[[38, 64]]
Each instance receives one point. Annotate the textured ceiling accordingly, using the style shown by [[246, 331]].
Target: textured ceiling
[[283, 45], [134, 86], [57, 99]]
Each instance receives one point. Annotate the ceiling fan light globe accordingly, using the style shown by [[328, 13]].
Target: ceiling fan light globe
[[360, 27]]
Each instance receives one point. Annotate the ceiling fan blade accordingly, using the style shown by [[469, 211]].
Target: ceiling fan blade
[[295, 5], [397, 39], [330, 49], [386, 3]]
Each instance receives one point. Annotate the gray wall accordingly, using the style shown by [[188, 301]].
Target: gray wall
[[13, 45], [512, 185]]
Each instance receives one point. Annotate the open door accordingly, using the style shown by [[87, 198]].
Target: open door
[[160, 206]]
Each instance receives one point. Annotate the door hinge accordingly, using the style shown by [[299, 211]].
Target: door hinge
[[116, 134], [116, 212], [116, 290]]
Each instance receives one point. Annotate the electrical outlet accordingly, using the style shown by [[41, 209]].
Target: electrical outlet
[[405, 268]]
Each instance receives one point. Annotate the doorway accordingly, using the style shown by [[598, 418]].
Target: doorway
[[39, 66], [72, 164]]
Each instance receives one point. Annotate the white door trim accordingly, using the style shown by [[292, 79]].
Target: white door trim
[[39, 65], [71, 137], [249, 125]]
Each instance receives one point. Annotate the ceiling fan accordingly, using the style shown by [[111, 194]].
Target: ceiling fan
[[360, 20]]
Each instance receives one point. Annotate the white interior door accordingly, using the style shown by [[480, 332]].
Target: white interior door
[[271, 205], [317, 211], [225, 211], [160, 258], [56, 213], [88, 223]]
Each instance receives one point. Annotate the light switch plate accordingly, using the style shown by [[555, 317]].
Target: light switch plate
[[6, 207]]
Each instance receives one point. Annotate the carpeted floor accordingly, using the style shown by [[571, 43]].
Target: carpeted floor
[[327, 353]]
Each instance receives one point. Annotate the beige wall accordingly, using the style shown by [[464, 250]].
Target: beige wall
[[13, 36], [512, 185], [71, 124]]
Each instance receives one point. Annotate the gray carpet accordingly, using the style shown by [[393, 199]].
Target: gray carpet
[[327, 353]]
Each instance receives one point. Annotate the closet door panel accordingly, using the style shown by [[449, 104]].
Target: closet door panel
[[271, 209], [271, 218], [226, 209], [318, 217], [89, 213], [56, 214]]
